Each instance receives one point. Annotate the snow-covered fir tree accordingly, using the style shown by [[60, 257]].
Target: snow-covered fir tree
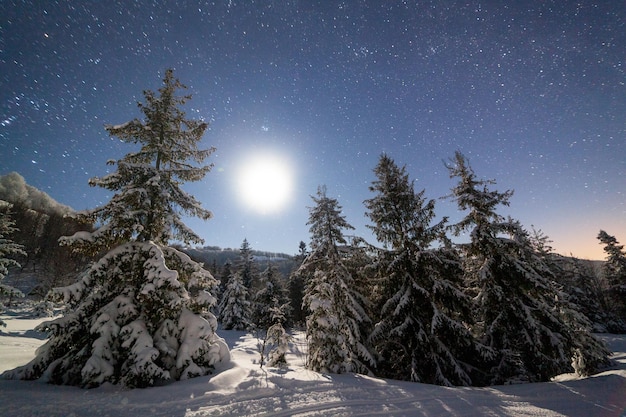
[[270, 310], [140, 315], [235, 307], [246, 265], [333, 305], [295, 287], [149, 202], [9, 250], [581, 283], [420, 333], [586, 353], [271, 333], [615, 273], [269, 297], [224, 275], [533, 333], [278, 339]]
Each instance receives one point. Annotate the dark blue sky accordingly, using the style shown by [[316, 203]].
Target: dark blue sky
[[532, 92]]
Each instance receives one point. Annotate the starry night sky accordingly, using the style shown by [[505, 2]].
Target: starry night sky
[[532, 92]]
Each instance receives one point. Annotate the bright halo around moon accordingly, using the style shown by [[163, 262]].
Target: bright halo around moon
[[265, 183]]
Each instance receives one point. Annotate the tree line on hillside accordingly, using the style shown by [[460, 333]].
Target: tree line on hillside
[[412, 306], [9, 250], [216, 258], [39, 222]]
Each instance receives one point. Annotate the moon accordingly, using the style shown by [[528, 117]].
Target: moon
[[265, 183]]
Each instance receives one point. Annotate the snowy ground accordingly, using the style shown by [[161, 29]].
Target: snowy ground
[[243, 389]]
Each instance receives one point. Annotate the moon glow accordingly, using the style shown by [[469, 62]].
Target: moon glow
[[265, 183]]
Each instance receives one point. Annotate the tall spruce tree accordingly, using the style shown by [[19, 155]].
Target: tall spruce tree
[[533, 333], [580, 282], [149, 202], [295, 287], [224, 275], [246, 266], [269, 298], [141, 314], [334, 307], [615, 273], [420, 333], [9, 250], [585, 353], [271, 307], [235, 306]]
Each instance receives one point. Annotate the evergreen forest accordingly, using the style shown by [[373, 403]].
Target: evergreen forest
[[479, 302]]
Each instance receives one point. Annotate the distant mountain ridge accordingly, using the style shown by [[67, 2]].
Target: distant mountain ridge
[[214, 256]]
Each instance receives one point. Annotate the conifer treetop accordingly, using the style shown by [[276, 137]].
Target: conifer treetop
[[168, 139], [326, 221], [612, 246], [615, 266], [149, 202], [474, 194], [400, 215]]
